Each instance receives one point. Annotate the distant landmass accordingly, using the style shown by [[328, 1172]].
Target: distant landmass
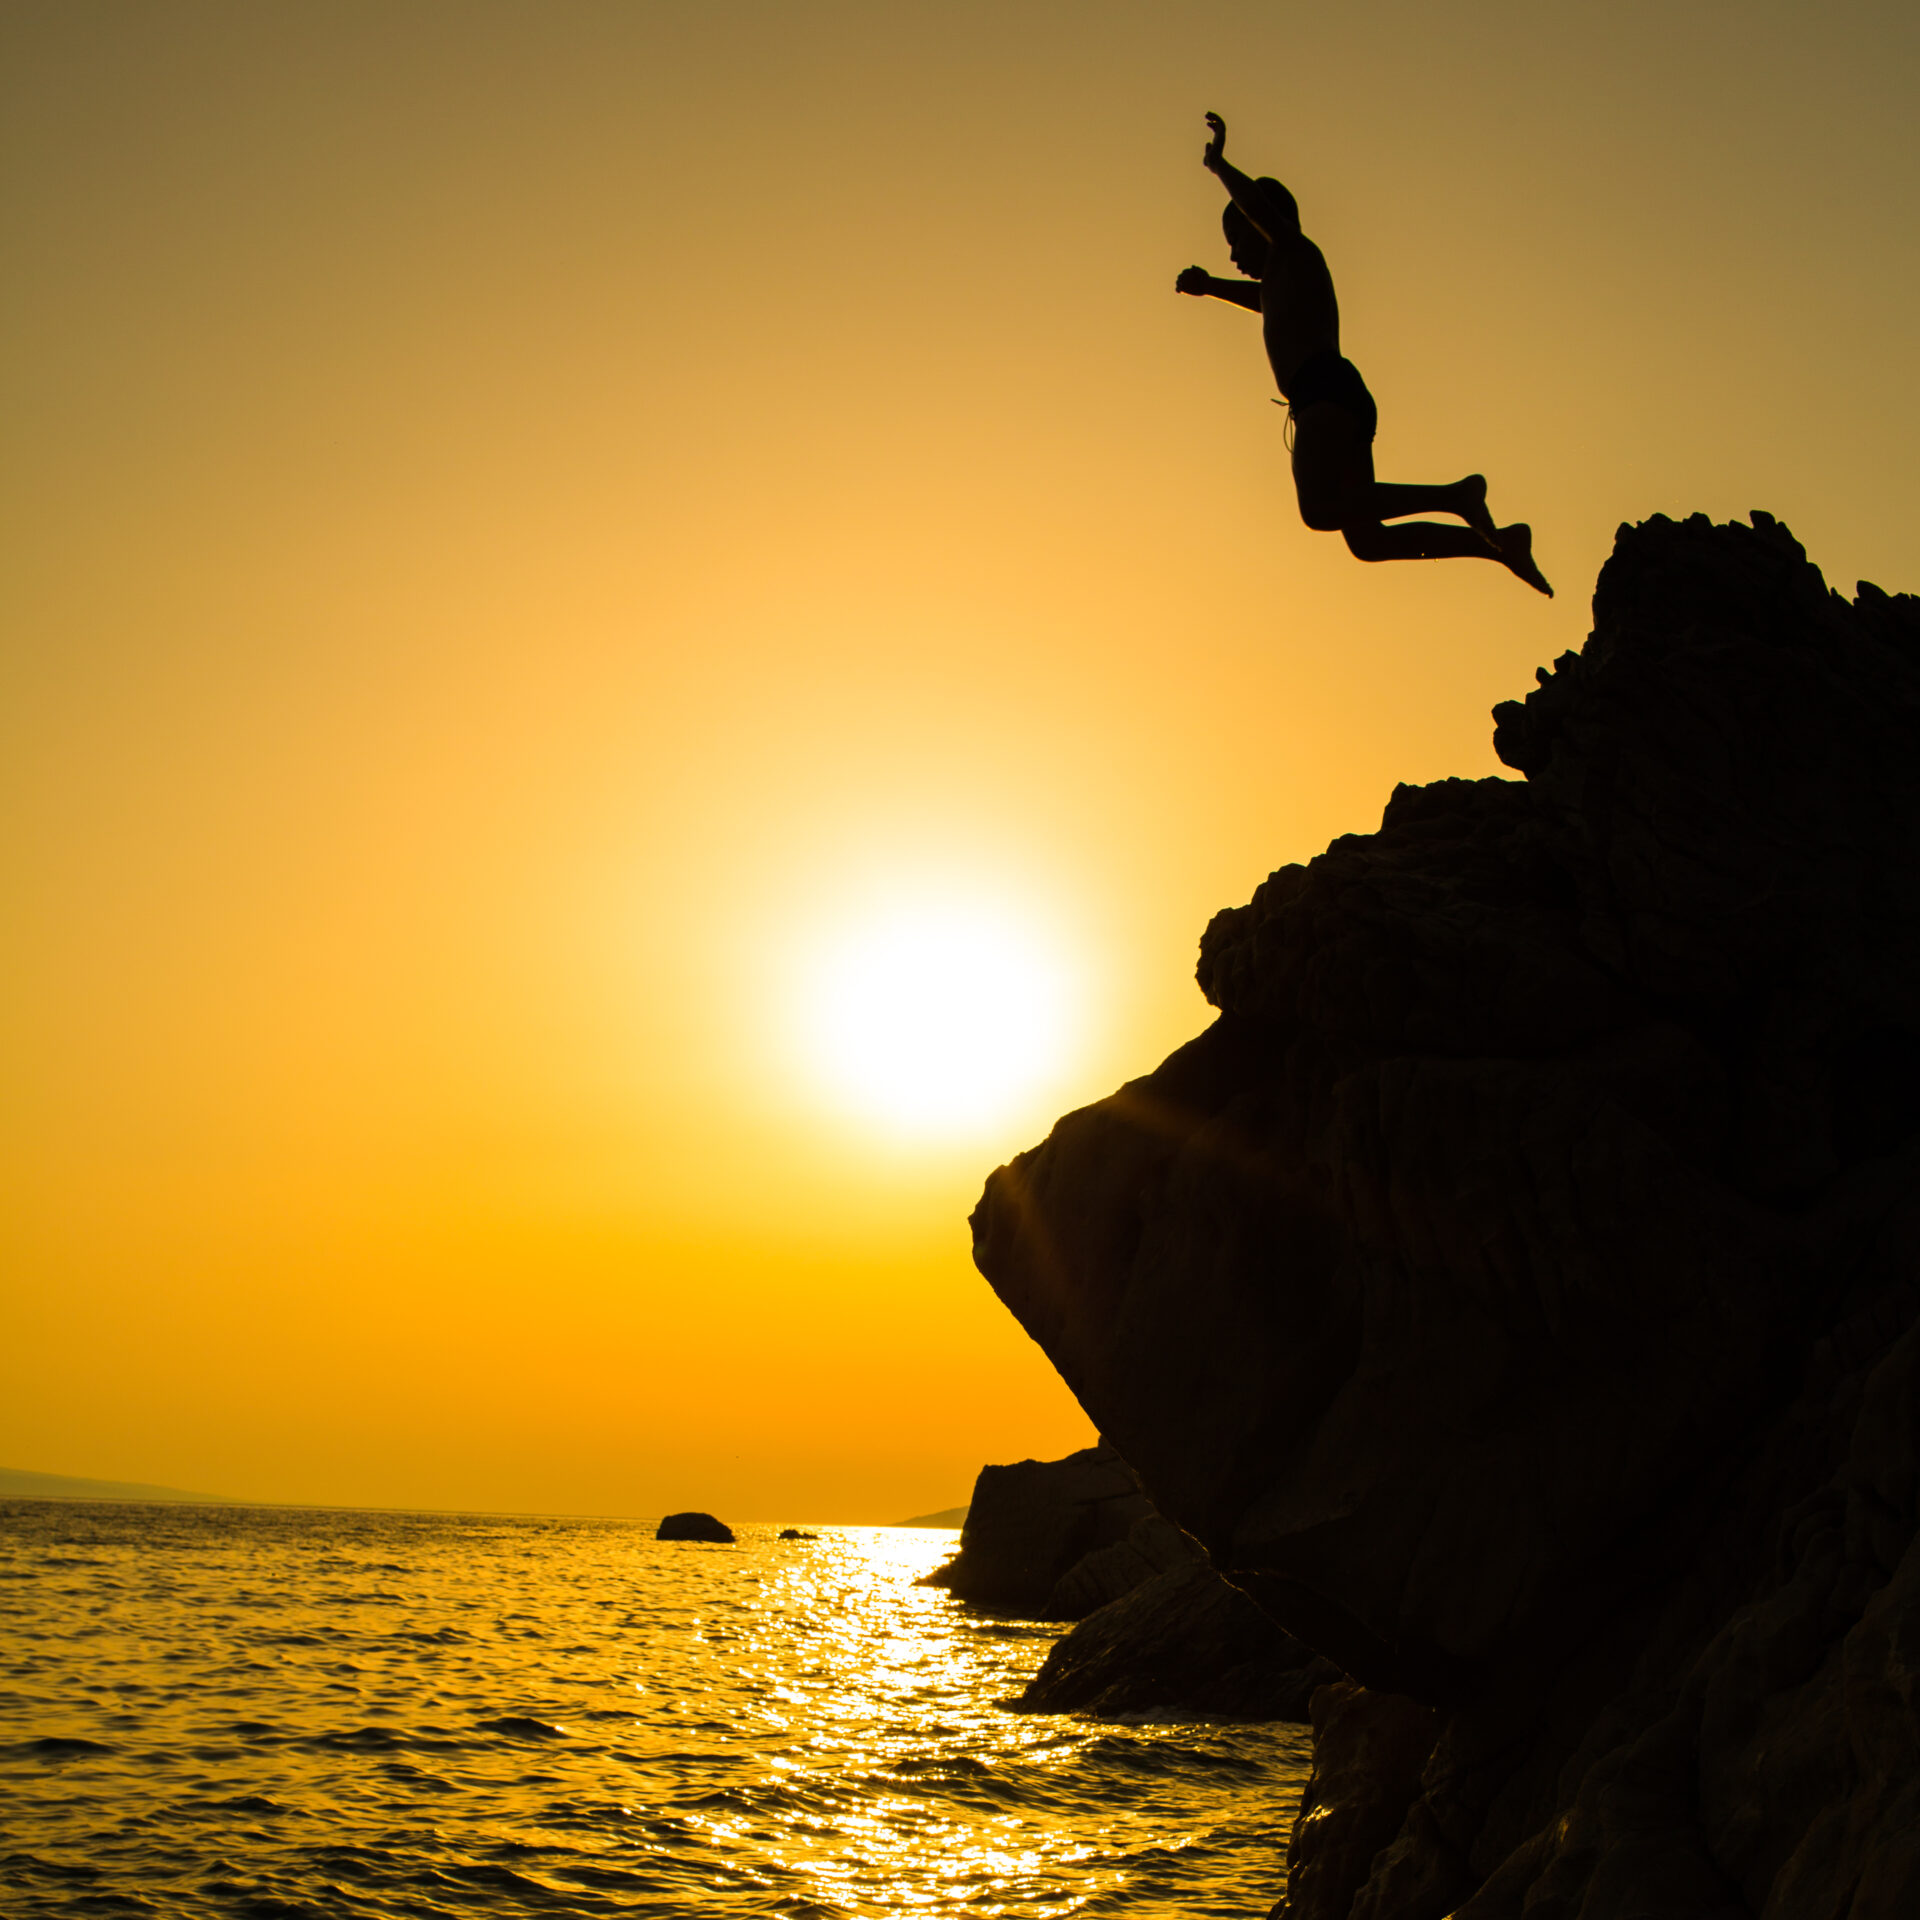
[[946, 1517], [17, 1484]]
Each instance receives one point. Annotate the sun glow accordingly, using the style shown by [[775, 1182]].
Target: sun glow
[[938, 1017]]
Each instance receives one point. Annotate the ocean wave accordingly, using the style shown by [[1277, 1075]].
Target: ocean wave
[[560, 1719], [519, 1727]]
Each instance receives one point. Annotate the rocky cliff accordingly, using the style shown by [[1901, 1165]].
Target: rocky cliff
[[1054, 1539], [1184, 1644], [1516, 1286], [1159, 1629]]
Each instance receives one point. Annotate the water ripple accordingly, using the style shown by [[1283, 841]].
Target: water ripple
[[295, 1715]]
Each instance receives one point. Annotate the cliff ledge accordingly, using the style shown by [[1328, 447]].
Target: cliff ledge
[[1517, 1288]]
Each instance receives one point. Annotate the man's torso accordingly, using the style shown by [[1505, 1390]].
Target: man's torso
[[1300, 316]]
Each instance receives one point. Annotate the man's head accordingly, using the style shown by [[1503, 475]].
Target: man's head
[[1245, 242]]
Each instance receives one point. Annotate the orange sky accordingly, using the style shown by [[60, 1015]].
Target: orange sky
[[523, 522]]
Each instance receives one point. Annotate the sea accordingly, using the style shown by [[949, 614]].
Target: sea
[[290, 1713]]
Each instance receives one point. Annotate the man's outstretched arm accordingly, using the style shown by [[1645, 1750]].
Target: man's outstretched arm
[[1242, 190], [1208, 286]]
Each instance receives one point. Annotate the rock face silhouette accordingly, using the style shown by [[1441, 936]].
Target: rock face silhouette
[[1516, 1287], [1182, 1644], [1076, 1539], [1051, 1538]]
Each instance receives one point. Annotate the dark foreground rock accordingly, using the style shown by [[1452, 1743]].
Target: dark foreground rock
[[1031, 1525], [1183, 1642], [1159, 1629], [1369, 1751], [1516, 1287], [693, 1526]]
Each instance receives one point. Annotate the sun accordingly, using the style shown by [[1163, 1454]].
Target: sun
[[937, 1017]]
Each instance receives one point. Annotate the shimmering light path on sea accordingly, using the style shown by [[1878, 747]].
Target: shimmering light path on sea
[[291, 1713]]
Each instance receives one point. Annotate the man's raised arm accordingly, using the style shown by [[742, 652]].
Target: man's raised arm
[[1245, 193]]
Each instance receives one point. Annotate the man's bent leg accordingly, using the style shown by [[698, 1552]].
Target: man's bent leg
[[1332, 467], [1333, 476], [1417, 540], [1430, 540], [1395, 500]]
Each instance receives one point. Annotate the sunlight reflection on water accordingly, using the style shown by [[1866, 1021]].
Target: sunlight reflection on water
[[285, 1712]]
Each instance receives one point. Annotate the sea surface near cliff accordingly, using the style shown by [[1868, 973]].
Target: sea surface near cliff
[[292, 1713]]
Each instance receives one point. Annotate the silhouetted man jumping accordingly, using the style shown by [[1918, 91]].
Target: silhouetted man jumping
[[1332, 413]]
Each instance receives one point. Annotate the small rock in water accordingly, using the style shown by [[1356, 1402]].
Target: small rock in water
[[794, 1533], [694, 1526]]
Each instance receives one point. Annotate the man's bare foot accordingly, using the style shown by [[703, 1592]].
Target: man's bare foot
[[1472, 493], [1515, 546]]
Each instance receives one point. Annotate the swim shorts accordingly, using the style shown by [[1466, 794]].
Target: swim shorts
[[1329, 376]]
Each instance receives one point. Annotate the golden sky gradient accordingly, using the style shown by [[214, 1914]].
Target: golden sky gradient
[[526, 525]]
